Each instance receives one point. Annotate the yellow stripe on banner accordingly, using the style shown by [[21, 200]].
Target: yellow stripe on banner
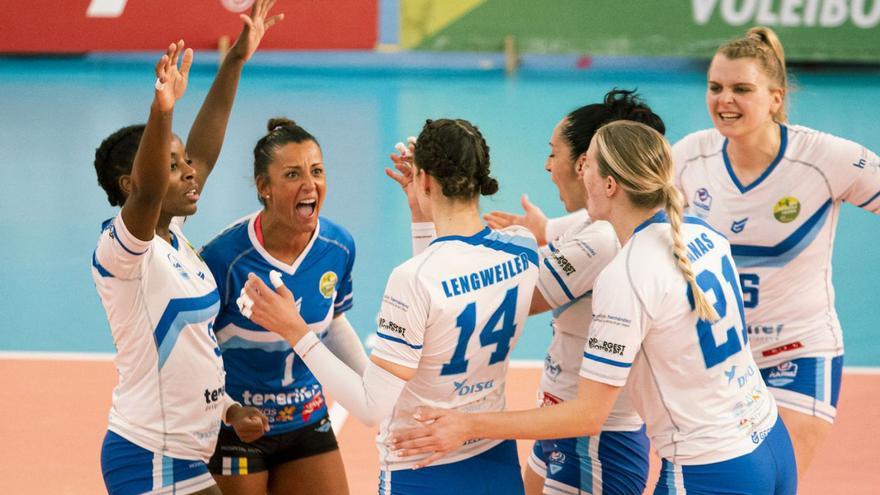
[[422, 18], [242, 465]]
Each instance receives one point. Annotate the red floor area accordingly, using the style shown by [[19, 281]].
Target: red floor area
[[54, 417]]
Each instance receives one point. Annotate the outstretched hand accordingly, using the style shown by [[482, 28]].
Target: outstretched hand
[[171, 80], [404, 174], [533, 219], [441, 431], [255, 26]]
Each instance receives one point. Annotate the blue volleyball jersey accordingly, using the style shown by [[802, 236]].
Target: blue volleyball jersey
[[262, 369]]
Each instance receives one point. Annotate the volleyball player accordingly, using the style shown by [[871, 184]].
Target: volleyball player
[[616, 460], [448, 320], [668, 324], [314, 256], [161, 301], [775, 190]]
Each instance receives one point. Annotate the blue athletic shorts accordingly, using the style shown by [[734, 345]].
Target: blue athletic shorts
[[768, 470], [493, 472], [611, 463], [809, 385], [132, 470]]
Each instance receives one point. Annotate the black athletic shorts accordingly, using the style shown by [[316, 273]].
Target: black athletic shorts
[[233, 457]]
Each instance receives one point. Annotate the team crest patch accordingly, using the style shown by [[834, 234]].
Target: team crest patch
[[787, 209], [328, 284], [703, 200]]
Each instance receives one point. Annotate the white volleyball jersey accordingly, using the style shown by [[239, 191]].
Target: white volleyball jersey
[[454, 312], [695, 384], [781, 229], [569, 266], [161, 301]]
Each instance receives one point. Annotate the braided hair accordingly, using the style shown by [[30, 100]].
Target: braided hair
[[640, 160], [114, 158], [454, 152]]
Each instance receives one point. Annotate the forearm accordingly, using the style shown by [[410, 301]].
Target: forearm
[[423, 233], [370, 397], [209, 129], [344, 342], [564, 420]]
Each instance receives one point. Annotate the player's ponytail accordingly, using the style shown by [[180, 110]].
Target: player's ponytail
[[762, 44], [640, 160]]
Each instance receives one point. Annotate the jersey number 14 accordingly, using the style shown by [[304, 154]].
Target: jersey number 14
[[490, 335]]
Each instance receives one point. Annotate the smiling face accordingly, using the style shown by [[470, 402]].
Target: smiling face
[[294, 186], [183, 189], [740, 97], [563, 170]]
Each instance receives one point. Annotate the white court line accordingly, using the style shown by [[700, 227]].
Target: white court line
[[108, 356]]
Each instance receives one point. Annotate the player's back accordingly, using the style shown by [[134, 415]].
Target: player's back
[[695, 383], [454, 312]]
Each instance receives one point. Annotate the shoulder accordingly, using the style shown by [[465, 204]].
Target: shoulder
[[817, 147], [229, 243], [335, 235], [700, 144]]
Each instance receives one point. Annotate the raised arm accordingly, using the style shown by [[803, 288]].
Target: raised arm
[[145, 187], [206, 136]]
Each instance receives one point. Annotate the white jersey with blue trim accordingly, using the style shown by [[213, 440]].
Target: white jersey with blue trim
[[696, 384], [569, 266], [161, 301], [454, 312], [262, 369], [781, 229]]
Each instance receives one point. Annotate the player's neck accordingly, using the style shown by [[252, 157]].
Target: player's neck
[[751, 154], [280, 240], [456, 218], [163, 228], [626, 217]]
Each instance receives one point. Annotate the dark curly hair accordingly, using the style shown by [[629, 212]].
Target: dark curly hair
[[114, 158], [456, 155], [619, 104], [282, 131]]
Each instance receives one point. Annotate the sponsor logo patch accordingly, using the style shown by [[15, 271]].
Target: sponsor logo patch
[[783, 374], [738, 225], [781, 349], [604, 345], [787, 209]]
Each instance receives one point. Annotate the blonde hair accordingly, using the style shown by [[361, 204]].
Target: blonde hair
[[640, 160], [762, 44]]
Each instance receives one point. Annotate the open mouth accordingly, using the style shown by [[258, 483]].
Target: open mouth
[[729, 116], [306, 208], [192, 194]]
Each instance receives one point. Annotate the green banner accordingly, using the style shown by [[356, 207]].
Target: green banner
[[810, 30]]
